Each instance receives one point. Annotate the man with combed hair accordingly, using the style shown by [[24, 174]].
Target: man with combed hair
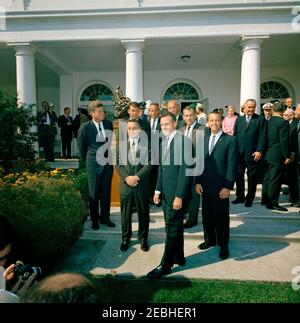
[[171, 188], [62, 288], [134, 189], [250, 131], [215, 183], [91, 137]]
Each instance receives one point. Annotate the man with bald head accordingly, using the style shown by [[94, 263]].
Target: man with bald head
[[289, 103], [174, 108], [291, 169]]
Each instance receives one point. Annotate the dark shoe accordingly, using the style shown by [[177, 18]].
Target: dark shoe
[[238, 201], [124, 246], [188, 225], [95, 225], [108, 223], [248, 204], [224, 253], [180, 262], [144, 246], [206, 245], [279, 208], [158, 272]]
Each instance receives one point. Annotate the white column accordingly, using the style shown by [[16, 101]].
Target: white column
[[25, 66], [250, 70], [26, 80], [134, 69]]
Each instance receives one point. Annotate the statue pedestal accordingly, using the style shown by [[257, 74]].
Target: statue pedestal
[[115, 192]]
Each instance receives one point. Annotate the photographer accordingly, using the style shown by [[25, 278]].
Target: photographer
[[47, 130], [18, 277]]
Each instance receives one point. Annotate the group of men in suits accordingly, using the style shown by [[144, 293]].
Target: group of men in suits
[[157, 149]]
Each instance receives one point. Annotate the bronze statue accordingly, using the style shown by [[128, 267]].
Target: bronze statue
[[121, 103]]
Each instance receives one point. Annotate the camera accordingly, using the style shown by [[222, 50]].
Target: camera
[[24, 271]]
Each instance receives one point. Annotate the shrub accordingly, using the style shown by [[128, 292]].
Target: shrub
[[48, 216], [16, 138], [81, 184]]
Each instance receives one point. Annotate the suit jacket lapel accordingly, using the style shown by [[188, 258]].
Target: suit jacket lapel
[[218, 143]]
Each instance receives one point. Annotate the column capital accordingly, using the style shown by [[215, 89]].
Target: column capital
[[252, 41], [133, 44], [23, 48]]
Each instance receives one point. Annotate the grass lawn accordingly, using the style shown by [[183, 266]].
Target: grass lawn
[[124, 290]]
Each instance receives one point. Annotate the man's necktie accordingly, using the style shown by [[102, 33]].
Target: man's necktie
[[248, 118], [166, 146], [153, 125], [187, 130], [100, 133], [212, 144], [133, 151]]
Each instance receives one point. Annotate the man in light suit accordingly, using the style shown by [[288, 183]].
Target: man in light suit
[[134, 168], [171, 187], [94, 142], [250, 131], [215, 183]]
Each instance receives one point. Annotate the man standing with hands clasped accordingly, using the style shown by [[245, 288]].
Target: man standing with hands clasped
[[215, 183]]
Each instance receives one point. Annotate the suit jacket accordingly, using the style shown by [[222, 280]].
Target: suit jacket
[[158, 127], [252, 137], [172, 180], [197, 126], [293, 137], [220, 167], [88, 144], [180, 122], [65, 129], [142, 170], [279, 141]]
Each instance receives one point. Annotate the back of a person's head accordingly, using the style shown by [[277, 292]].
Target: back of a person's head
[[62, 288], [6, 232]]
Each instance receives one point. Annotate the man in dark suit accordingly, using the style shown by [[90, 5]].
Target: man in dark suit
[[46, 125], [215, 183], [134, 111], [278, 154], [250, 131], [174, 108], [291, 171], [134, 168], [94, 142], [154, 121], [65, 122], [192, 199], [171, 185]]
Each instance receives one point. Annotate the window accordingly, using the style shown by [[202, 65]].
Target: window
[[96, 92], [181, 91], [273, 90]]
